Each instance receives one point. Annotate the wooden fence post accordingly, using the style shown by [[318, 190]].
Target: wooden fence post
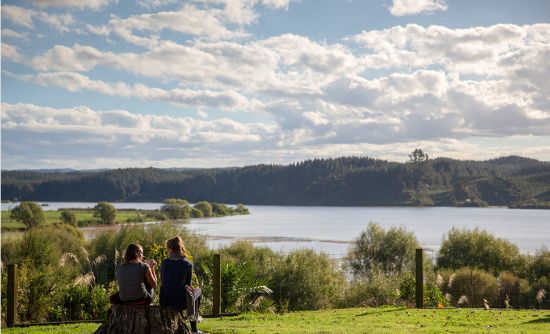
[[217, 289], [419, 278], [11, 312]]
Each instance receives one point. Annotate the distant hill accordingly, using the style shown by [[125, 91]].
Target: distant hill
[[359, 181]]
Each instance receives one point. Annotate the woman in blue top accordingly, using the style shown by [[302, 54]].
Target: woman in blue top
[[176, 273]]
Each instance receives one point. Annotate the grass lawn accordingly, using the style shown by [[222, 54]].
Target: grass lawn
[[52, 217], [361, 320]]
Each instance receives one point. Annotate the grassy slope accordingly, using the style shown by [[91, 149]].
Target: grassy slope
[[363, 320]]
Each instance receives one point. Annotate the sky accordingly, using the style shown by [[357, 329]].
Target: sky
[[217, 83]]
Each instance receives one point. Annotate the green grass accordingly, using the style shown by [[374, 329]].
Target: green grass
[[52, 217], [82, 328], [362, 320]]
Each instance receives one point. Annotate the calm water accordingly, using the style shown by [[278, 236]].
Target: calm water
[[330, 229]]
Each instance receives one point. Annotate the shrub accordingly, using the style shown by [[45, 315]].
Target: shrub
[[306, 280], [262, 258], [68, 217], [391, 252], [407, 288], [478, 249], [433, 295], [538, 296], [175, 208], [508, 290], [196, 213], [476, 285], [205, 208], [219, 209], [539, 265], [40, 254], [80, 302], [241, 209], [379, 290]]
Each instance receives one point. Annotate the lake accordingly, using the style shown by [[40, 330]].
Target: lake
[[330, 229]]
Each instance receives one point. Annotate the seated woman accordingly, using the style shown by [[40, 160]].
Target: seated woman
[[176, 291], [136, 278]]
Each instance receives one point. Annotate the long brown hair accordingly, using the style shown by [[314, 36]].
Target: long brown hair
[[176, 246], [131, 253]]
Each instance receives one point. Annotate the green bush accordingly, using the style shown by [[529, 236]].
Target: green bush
[[248, 271], [433, 297], [219, 209], [539, 265], [205, 208], [80, 302], [540, 288], [49, 259], [407, 288], [476, 285], [241, 209], [306, 280], [509, 294], [379, 290], [175, 208], [478, 249], [196, 213], [262, 258], [68, 217]]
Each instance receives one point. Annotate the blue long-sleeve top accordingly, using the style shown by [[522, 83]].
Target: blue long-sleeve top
[[175, 274]]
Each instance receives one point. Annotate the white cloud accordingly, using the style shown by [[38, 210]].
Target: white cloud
[[414, 7], [155, 3], [10, 52], [437, 84], [83, 138], [13, 34], [188, 20], [77, 4], [18, 15], [209, 21], [477, 50], [75, 82], [83, 133], [25, 17]]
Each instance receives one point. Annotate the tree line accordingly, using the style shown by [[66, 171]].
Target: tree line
[[359, 181]]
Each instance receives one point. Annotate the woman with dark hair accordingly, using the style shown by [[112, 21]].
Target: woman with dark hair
[[176, 273], [136, 278]]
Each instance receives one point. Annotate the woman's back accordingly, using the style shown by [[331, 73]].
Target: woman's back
[[131, 280], [175, 273]]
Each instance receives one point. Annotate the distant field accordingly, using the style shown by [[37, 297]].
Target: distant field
[[360, 320], [52, 217]]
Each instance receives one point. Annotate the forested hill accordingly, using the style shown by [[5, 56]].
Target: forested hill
[[361, 181]]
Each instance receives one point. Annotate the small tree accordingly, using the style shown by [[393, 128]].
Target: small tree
[[418, 156], [175, 208], [106, 212], [390, 252], [68, 217], [28, 213]]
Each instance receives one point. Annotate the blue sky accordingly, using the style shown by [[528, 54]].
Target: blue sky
[[210, 83]]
